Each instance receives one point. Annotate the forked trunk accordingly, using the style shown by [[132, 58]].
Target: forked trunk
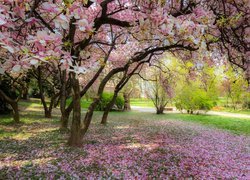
[[160, 110]]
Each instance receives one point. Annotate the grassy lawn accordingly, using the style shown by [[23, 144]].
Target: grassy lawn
[[127, 148], [141, 102], [231, 110], [222, 102], [238, 126], [134, 102], [234, 125], [33, 110]]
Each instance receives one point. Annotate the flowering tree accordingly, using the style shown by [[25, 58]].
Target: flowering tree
[[231, 31], [78, 36]]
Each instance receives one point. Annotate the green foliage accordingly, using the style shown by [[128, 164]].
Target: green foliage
[[193, 99], [106, 98], [235, 89]]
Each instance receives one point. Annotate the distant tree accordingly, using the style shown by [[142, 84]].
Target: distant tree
[[160, 89], [193, 99], [235, 86], [197, 90]]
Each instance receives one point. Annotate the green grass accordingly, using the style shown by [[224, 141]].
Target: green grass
[[235, 125], [134, 102], [84, 103], [231, 110], [35, 115], [222, 103], [232, 124], [141, 102]]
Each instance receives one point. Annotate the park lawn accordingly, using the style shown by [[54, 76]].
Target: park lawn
[[235, 125], [221, 106], [231, 110], [238, 126], [141, 102], [129, 147], [133, 102], [232, 124], [132, 145]]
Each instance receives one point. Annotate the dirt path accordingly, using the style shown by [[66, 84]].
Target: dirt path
[[228, 114]]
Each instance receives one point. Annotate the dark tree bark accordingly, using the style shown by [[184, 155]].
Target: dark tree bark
[[47, 109], [108, 108], [75, 138], [160, 110], [63, 96], [16, 116], [47, 113], [13, 104], [89, 114], [118, 88], [66, 111]]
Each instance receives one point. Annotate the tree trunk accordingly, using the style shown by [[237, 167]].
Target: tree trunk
[[64, 115], [57, 101], [126, 97], [77, 131], [89, 115], [16, 116], [108, 108], [14, 105], [47, 112], [160, 110], [75, 138], [64, 121]]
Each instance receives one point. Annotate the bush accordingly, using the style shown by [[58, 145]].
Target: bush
[[194, 99], [106, 98]]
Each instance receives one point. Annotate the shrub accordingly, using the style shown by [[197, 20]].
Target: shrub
[[194, 99], [106, 98]]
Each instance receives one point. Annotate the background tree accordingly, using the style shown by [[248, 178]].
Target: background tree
[[197, 89], [234, 88], [160, 89]]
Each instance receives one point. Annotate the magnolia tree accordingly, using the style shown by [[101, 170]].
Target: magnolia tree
[[231, 31], [84, 35]]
